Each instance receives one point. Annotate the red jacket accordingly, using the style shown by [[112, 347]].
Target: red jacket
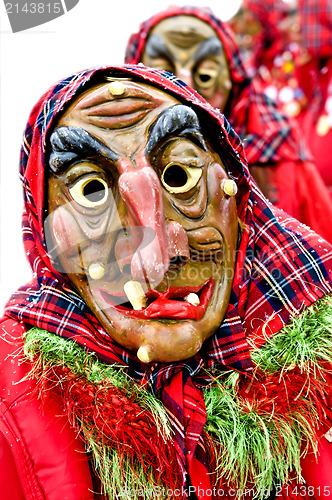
[[41, 455], [42, 458]]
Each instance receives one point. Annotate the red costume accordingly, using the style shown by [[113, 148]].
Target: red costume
[[295, 68], [275, 56], [283, 273], [267, 42], [272, 143], [316, 30]]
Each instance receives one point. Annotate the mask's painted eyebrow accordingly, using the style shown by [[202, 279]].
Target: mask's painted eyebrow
[[180, 120], [211, 47], [71, 144], [155, 47]]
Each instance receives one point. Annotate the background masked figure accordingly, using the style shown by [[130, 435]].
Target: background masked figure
[[176, 334], [201, 50], [289, 51], [265, 32]]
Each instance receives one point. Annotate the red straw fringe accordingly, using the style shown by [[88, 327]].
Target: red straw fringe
[[281, 395], [116, 421], [293, 390]]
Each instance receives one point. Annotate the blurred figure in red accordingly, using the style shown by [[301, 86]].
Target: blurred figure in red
[[289, 50], [315, 17], [194, 45], [268, 34]]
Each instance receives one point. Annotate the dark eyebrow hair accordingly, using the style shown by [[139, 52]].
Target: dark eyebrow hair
[[74, 143], [211, 47], [177, 119], [155, 47]]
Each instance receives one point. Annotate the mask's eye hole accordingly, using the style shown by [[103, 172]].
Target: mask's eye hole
[[180, 178], [90, 192], [205, 77]]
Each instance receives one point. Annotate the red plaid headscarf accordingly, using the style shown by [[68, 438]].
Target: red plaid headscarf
[[316, 26], [269, 137], [282, 267]]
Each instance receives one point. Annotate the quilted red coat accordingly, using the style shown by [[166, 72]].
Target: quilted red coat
[[41, 455]]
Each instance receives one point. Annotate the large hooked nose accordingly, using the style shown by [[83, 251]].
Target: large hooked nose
[[141, 191]]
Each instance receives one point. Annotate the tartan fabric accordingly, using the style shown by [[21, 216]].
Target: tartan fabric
[[267, 133], [281, 268], [316, 26]]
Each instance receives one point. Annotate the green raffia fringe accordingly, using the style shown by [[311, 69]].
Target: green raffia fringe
[[252, 448], [117, 474], [258, 449]]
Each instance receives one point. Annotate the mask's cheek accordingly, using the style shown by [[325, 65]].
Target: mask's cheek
[[218, 94], [222, 214], [65, 241], [217, 98]]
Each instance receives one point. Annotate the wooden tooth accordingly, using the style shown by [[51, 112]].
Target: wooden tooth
[[193, 299], [135, 294]]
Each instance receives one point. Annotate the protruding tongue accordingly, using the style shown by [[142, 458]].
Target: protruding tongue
[[141, 191]]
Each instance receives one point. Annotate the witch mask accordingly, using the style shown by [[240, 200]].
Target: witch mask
[[188, 47], [139, 218]]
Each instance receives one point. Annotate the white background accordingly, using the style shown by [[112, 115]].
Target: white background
[[93, 33]]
